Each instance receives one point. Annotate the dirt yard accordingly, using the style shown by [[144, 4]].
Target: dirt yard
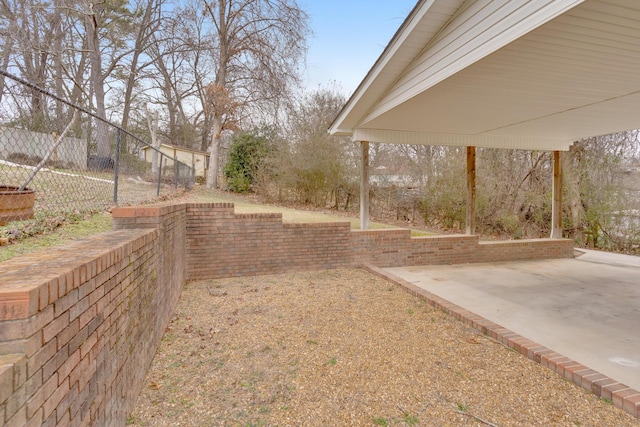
[[344, 348]]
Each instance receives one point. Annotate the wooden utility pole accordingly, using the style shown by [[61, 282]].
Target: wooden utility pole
[[471, 190]]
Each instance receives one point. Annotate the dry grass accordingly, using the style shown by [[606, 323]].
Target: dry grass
[[252, 204], [344, 348]]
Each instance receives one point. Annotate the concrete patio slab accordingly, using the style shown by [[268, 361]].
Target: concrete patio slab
[[587, 309]]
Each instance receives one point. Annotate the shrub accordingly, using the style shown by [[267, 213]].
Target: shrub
[[246, 157]]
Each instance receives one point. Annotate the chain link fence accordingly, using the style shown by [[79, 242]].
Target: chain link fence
[[57, 158]]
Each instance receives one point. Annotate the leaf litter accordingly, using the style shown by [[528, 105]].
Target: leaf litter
[[344, 348]]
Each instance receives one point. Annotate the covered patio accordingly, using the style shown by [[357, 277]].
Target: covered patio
[[512, 74]]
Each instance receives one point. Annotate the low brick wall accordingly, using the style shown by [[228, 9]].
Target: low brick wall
[[223, 244], [523, 250], [396, 248], [79, 324]]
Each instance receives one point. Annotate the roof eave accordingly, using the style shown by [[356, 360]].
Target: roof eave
[[418, 11]]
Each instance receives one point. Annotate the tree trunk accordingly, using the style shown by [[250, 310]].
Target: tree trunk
[[141, 41], [102, 137], [214, 158], [152, 122], [6, 55], [58, 77]]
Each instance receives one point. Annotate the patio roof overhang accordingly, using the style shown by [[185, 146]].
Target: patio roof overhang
[[519, 74]]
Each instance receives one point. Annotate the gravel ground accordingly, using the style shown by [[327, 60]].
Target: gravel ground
[[344, 348]]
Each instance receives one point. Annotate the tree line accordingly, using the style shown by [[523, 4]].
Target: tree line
[[207, 66]]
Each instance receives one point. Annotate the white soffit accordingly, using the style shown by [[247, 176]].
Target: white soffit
[[536, 74], [423, 23]]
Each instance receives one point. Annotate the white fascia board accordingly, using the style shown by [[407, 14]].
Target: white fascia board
[[458, 140], [498, 35], [396, 43]]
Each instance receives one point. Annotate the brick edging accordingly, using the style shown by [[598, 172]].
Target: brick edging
[[621, 396]]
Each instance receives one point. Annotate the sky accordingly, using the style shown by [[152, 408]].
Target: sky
[[348, 37]]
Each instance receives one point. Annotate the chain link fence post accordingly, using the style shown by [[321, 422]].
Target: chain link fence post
[[116, 168], [176, 171], [161, 156]]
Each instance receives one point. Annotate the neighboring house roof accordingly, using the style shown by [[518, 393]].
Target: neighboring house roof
[[175, 147], [529, 74]]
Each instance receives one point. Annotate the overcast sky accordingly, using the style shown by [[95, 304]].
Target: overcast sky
[[349, 36]]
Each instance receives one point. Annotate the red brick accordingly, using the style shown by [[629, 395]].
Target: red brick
[[618, 396], [41, 357], [36, 419], [35, 403], [88, 345], [52, 329], [17, 419], [6, 381], [16, 402], [68, 333], [631, 405], [88, 315], [609, 390], [43, 296], [87, 374], [123, 212], [599, 384], [19, 370], [79, 308], [15, 305], [65, 302], [57, 396], [65, 369], [52, 365]]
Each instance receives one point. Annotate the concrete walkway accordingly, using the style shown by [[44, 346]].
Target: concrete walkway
[[587, 309]]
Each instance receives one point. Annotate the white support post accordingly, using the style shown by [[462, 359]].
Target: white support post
[[556, 207], [364, 186]]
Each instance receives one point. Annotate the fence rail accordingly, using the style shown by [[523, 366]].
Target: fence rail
[[57, 157]]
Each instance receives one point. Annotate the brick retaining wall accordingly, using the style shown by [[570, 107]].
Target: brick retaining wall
[[396, 248], [223, 244], [80, 323]]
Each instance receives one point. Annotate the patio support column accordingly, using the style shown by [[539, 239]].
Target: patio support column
[[556, 209], [364, 186], [471, 190]]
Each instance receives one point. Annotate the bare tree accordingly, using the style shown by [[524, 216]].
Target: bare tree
[[148, 22], [107, 26], [310, 165], [259, 46], [597, 194], [29, 32], [181, 68], [91, 26]]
